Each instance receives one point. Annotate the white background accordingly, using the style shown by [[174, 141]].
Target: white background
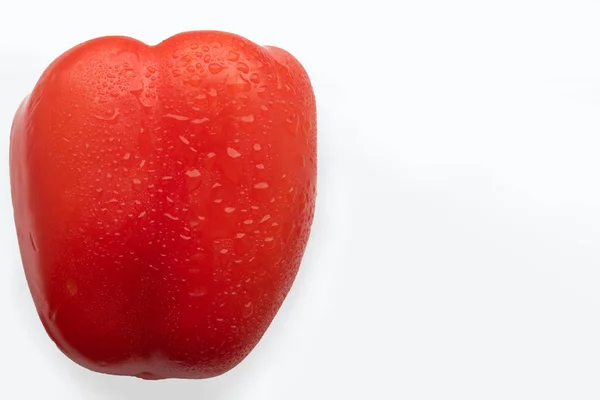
[[455, 252]]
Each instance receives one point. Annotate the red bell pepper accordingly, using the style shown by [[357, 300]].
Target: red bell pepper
[[163, 198]]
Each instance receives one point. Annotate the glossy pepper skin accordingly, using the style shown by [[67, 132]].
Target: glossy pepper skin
[[163, 198]]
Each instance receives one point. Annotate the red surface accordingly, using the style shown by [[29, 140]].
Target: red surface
[[163, 199]]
